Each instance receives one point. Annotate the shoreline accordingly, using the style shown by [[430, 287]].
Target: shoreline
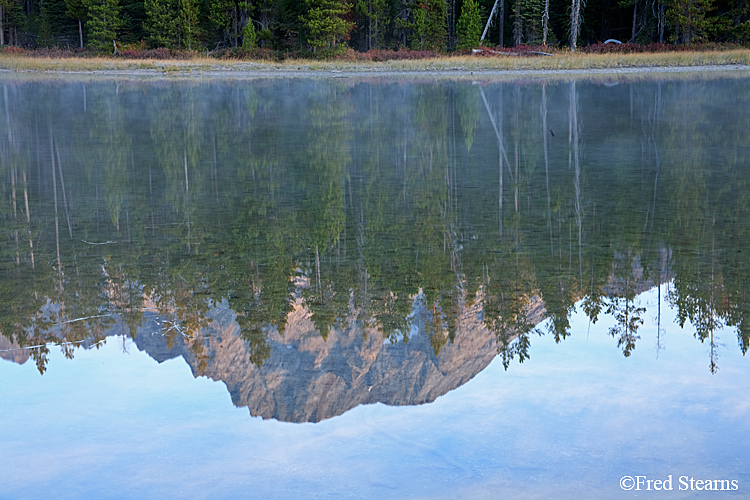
[[629, 73], [561, 66], [480, 73]]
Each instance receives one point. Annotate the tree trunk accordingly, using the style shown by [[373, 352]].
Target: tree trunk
[[65, 196], [2, 28], [235, 33], [28, 219], [660, 22], [501, 23], [517, 24], [635, 18], [575, 11], [545, 23], [57, 224], [453, 25], [80, 32], [489, 21]]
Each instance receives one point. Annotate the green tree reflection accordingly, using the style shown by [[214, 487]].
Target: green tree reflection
[[404, 207]]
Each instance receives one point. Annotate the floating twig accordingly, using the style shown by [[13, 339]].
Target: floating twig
[[105, 243]]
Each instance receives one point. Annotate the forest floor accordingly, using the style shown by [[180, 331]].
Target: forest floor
[[559, 63]]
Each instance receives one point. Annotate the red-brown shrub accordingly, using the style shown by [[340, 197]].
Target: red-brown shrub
[[13, 50]]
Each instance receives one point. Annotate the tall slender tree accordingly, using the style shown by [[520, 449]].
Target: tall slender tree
[[375, 16], [188, 24], [78, 11], [575, 23], [430, 24], [690, 19], [161, 22], [103, 24], [327, 24], [469, 29]]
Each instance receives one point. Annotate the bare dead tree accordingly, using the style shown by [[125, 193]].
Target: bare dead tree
[[575, 22]]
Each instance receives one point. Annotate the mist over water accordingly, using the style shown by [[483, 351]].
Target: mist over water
[[319, 246]]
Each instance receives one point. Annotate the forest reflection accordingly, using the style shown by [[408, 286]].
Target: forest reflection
[[402, 207]]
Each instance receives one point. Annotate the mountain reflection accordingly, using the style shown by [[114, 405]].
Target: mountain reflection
[[319, 244]]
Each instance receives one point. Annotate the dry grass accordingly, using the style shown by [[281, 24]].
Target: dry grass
[[560, 61]]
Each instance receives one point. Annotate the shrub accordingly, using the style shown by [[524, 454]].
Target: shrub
[[8, 49], [56, 52], [160, 53], [633, 48]]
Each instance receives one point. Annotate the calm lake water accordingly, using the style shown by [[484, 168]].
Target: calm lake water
[[375, 288]]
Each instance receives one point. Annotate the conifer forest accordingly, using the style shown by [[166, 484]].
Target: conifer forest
[[327, 27]]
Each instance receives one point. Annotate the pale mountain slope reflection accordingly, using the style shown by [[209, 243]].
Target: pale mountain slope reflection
[[322, 244]]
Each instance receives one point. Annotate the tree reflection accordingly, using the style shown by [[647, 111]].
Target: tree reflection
[[367, 205]]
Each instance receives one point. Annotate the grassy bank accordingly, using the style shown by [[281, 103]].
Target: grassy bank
[[558, 61]]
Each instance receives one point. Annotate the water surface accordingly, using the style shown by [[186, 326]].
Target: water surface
[[361, 265]]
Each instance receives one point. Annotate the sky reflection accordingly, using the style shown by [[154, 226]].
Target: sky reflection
[[570, 421]]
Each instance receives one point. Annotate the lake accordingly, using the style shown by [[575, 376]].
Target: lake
[[375, 287]]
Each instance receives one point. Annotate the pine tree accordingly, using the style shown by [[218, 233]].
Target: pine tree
[[375, 21], [430, 25], [229, 16], [689, 19], [161, 23], [249, 36], [103, 24], [532, 15], [326, 24], [188, 24], [133, 16], [469, 27], [12, 20], [44, 29], [78, 11]]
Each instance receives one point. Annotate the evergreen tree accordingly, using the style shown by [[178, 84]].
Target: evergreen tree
[[229, 16], [689, 19], [54, 26], [77, 10], [14, 19], [133, 16], [188, 24], [44, 29], [165, 29], [429, 26], [374, 15], [249, 36], [326, 24], [103, 24], [517, 23], [469, 28], [161, 23], [532, 16]]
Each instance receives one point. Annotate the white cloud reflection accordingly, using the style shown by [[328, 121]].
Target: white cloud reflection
[[569, 422]]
